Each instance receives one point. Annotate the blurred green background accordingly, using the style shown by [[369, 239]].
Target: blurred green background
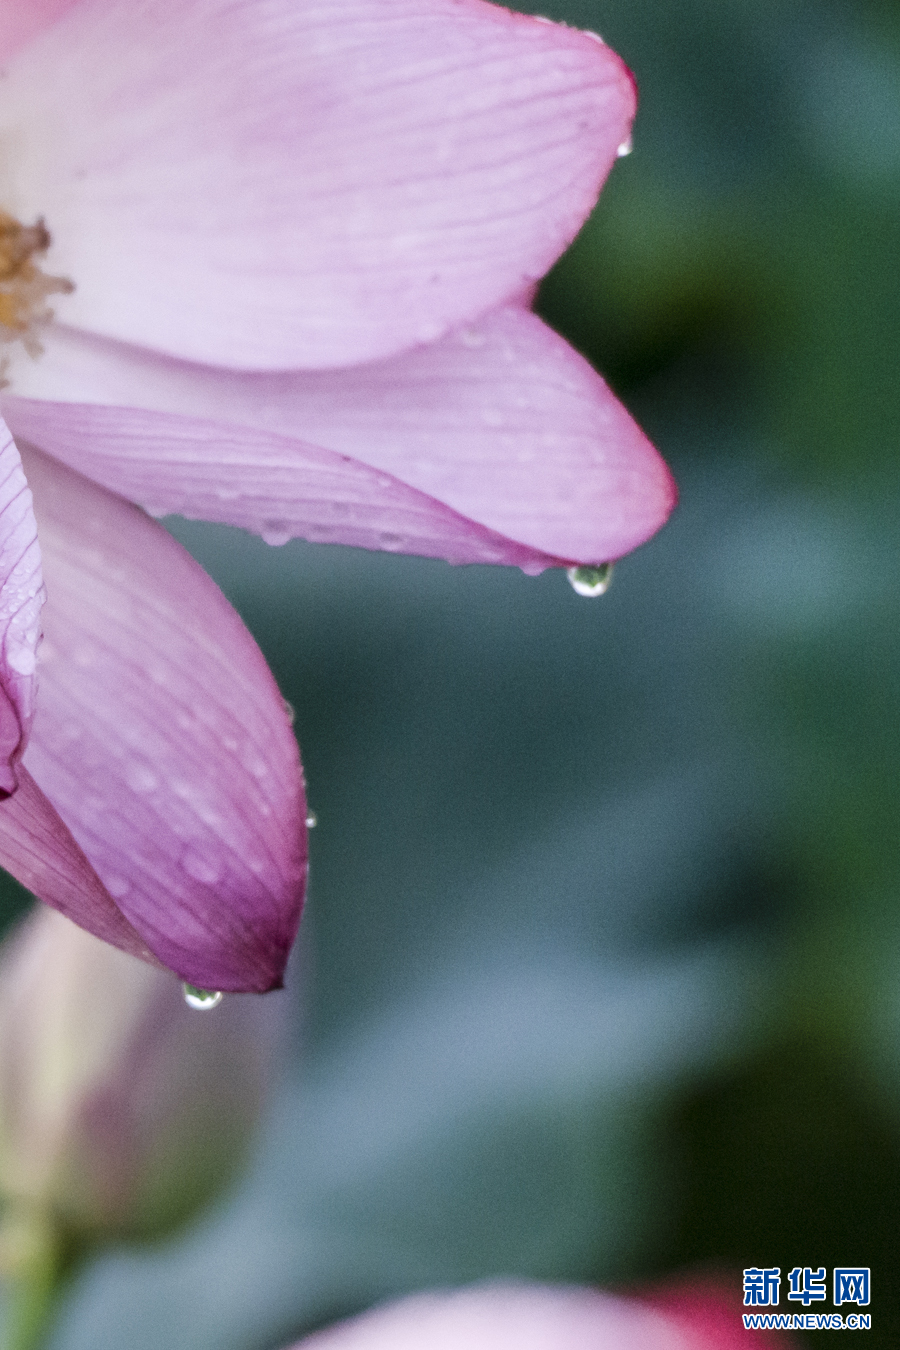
[[600, 977]]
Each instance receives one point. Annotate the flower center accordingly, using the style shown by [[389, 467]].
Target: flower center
[[23, 286]]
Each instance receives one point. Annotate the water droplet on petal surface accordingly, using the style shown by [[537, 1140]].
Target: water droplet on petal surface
[[21, 658], [203, 867], [141, 777], [625, 148], [312, 820], [276, 532], [201, 999], [590, 581]]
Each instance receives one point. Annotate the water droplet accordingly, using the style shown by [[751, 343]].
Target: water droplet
[[256, 765], [430, 332], [626, 147], [492, 417], [276, 532], [22, 659], [290, 711], [312, 820], [207, 812], [201, 999], [202, 867], [140, 777], [590, 580]]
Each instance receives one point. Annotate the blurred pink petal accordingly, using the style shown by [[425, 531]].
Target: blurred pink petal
[[121, 1111], [712, 1312], [501, 421], [505, 1317], [272, 184], [162, 741], [533, 1317], [22, 20], [21, 598]]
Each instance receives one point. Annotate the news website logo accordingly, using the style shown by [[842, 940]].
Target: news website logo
[[808, 1285]]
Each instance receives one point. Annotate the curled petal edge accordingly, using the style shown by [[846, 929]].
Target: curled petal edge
[[22, 597], [38, 849]]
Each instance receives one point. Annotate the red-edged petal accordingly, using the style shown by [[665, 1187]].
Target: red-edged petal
[[21, 598], [162, 741], [270, 185], [501, 422]]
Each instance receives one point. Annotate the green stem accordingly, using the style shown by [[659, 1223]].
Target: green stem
[[35, 1273]]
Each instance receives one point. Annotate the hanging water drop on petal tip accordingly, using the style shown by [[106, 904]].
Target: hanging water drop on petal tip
[[201, 999], [312, 820], [626, 147], [590, 581]]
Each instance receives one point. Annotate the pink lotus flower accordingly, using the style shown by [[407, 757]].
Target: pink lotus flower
[[293, 247], [541, 1317]]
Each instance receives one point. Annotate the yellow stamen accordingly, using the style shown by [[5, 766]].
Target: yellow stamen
[[23, 286]]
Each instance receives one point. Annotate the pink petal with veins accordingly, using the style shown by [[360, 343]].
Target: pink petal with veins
[[501, 425], [272, 185], [162, 741], [276, 486], [21, 598]]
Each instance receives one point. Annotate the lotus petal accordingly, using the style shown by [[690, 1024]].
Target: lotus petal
[[501, 422], [271, 185], [162, 741]]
